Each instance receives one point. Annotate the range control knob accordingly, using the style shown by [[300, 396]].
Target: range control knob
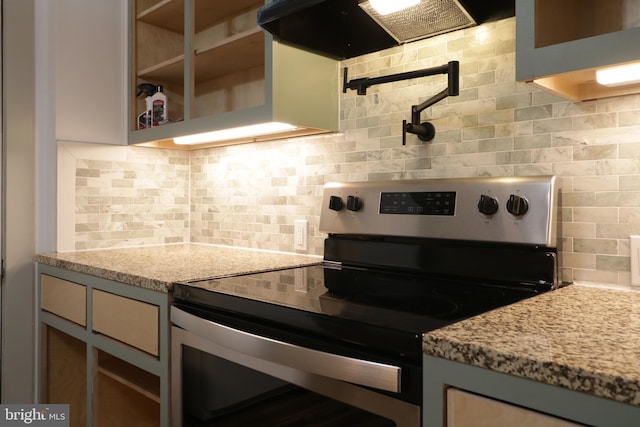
[[354, 203], [487, 205], [335, 203], [517, 205]]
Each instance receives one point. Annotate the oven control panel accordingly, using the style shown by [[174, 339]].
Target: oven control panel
[[498, 209], [418, 203]]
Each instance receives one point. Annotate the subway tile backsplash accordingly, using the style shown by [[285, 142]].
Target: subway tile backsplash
[[121, 196], [250, 195]]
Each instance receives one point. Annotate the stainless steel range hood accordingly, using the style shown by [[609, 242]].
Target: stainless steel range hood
[[343, 29]]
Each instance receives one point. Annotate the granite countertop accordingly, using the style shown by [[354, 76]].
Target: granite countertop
[[579, 337], [158, 267]]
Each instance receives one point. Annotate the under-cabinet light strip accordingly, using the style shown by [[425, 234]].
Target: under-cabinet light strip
[[235, 133], [620, 75], [385, 7]]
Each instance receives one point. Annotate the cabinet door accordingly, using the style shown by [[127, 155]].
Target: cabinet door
[[89, 55], [470, 410]]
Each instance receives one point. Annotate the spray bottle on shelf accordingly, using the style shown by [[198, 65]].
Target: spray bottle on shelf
[[159, 107], [145, 118]]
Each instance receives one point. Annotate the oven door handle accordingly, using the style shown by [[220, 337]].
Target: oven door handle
[[362, 372]]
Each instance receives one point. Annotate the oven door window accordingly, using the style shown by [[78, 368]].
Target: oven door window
[[218, 392]]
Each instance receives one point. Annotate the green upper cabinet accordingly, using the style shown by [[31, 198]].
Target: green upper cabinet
[[219, 70], [561, 44]]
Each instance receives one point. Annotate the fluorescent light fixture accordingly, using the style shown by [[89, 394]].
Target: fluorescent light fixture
[[621, 75], [235, 133], [385, 7]]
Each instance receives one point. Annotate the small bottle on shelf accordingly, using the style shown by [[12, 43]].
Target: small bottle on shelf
[[145, 118], [159, 107]]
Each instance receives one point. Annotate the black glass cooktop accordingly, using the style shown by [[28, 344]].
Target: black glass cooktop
[[362, 307]]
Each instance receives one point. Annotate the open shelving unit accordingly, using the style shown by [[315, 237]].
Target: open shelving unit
[[560, 45], [217, 68]]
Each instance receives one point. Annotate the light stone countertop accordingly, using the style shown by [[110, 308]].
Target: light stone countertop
[[583, 338], [158, 267]]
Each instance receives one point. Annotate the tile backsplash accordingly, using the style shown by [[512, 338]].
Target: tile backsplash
[[121, 196], [250, 195]]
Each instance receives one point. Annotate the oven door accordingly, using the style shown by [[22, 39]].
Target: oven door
[[230, 377]]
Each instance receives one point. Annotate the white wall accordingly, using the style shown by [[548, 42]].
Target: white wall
[[19, 145]]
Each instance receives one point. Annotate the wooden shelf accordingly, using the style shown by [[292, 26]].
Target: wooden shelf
[[130, 376], [164, 14], [119, 405], [240, 52], [207, 12], [169, 71]]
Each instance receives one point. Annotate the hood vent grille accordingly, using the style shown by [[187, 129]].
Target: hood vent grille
[[426, 19]]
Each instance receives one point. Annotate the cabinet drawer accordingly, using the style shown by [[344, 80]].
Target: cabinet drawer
[[124, 319], [470, 410], [63, 298]]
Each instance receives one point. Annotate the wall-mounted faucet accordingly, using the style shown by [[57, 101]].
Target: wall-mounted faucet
[[424, 130]]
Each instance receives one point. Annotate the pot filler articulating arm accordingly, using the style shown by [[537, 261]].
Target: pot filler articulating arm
[[425, 130]]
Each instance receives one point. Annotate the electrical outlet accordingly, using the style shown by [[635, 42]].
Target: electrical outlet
[[300, 235], [300, 279], [635, 260]]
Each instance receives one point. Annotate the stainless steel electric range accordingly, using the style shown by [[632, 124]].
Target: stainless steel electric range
[[340, 343]]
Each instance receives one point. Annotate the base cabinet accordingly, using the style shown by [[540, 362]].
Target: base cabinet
[[110, 373], [460, 395], [470, 410]]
